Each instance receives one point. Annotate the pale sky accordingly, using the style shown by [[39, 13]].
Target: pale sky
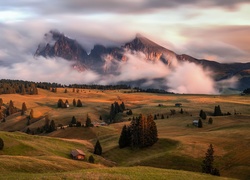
[[211, 29]]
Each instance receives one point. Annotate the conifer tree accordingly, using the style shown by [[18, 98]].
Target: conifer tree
[[122, 106], [52, 126], [124, 140], [11, 108], [203, 115], [31, 114], [60, 103], [181, 111], [1, 144], [162, 116], [100, 118], [88, 121], [79, 103], [74, 102], [24, 108], [91, 159], [207, 163], [98, 148], [1, 102], [73, 120], [200, 125], [210, 120]]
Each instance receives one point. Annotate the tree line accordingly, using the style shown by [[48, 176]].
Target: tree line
[[17, 87]]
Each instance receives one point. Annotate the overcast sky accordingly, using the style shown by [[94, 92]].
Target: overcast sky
[[215, 29]]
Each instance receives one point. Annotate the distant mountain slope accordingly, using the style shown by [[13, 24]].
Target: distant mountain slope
[[58, 45]]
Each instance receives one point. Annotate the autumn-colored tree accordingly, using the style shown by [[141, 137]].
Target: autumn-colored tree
[[24, 108], [1, 102], [142, 132], [31, 114]]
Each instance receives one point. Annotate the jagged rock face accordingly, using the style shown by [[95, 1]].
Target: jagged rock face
[[152, 50], [63, 47], [104, 59]]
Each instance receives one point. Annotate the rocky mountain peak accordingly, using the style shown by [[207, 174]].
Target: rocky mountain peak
[[56, 44]]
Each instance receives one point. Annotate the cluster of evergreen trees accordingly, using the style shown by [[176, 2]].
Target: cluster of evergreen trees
[[76, 123], [142, 132], [17, 87], [217, 111], [61, 104], [115, 109]]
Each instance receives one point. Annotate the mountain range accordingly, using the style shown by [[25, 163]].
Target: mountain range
[[103, 60]]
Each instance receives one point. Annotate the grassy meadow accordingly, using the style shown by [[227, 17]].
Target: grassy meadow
[[180, 149]]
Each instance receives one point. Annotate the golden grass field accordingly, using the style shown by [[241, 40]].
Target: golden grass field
[[181, 146]]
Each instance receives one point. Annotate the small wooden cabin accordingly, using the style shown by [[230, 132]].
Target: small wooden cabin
[[77, 154]]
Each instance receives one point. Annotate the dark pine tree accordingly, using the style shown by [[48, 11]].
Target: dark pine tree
[[124, 139], [1, 102], [79, 103], [162, 116], [207, 163], [122, 106], [181, 111], [74, 102], [52, 126], [98, 148], [88, 122], [200, 125], [155, 117], [210, 120], [203, 115], [100, 118], [91, 159], [73, 120], [1, 144]]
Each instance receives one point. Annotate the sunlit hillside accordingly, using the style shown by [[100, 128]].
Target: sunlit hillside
[[181, 146]]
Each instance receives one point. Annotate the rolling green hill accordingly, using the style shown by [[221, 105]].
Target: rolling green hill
[[181, 146]]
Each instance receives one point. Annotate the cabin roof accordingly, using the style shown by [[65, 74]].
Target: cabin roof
[[76, 152]]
